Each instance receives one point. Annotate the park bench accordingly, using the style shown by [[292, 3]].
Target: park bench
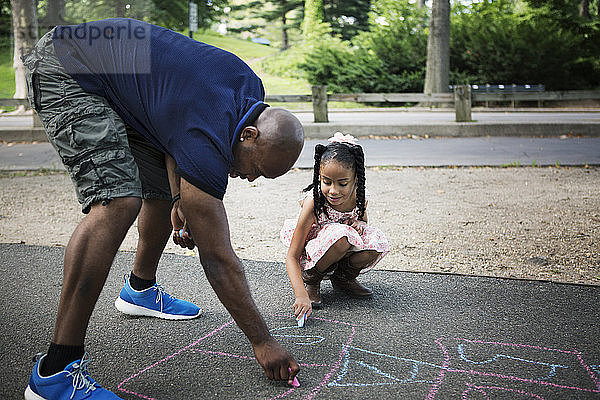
[[510, 89]]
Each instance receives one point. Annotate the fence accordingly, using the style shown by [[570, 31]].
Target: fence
[[462, 98]]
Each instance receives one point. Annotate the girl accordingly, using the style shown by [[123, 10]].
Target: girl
[[331, 237]]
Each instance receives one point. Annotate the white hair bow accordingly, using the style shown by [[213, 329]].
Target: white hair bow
[[339, 137]]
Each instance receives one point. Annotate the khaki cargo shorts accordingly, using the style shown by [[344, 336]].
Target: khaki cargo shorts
[[104, 157]]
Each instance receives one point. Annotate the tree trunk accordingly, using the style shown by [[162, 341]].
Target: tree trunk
[[437, 74], [284, 33], [313, 15], [55, 14], [119, 8], [584, 9], [25, 31], [420, 3]]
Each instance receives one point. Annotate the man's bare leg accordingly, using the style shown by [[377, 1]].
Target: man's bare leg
[[154, 229], [88, 258]]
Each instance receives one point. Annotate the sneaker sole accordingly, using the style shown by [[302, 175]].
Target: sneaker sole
[[132, 309], [31, 395]]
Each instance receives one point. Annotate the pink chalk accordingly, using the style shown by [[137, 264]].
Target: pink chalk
[[295, 382]]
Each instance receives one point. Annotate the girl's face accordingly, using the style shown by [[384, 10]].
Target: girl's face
[[338, 185]]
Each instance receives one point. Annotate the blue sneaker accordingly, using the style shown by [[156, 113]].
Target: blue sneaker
[[154, 302], [74, 383]]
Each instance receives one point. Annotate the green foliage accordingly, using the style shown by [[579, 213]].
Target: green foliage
[[172, 14], [277, 20], [347, 17], [5, 19], [388, 58], [313, 17], [503, 42], [286, 63]]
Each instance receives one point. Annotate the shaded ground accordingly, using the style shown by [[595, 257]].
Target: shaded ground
[[421, 336]]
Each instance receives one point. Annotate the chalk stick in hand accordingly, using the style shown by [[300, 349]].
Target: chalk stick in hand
[[295, 382], [302, 320]]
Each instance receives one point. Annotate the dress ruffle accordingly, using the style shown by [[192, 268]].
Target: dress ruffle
[[329, 230]]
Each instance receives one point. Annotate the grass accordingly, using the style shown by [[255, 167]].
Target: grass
[[244, 49], [7, 73]]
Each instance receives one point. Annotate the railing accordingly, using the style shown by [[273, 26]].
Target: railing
[[10, 102], [462, 99]]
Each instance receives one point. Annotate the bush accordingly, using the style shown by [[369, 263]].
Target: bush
[[498, 43], [388, 58]]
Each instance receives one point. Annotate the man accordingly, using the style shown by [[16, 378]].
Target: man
[[196, 116]]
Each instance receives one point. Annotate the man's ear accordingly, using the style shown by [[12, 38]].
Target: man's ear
[[249, 133]]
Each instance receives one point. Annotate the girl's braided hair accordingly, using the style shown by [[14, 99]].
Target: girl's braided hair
[[351, 156]]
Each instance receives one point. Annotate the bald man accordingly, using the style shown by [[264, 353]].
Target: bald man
[[150, 124]]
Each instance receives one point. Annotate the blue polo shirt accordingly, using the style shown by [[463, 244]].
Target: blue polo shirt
[[190, 99]]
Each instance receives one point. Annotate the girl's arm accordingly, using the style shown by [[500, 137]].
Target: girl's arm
[[292, 262]]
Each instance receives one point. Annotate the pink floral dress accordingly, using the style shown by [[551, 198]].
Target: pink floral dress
[[331, 228]]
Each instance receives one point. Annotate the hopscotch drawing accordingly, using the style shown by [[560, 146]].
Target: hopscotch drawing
[[332, 363]]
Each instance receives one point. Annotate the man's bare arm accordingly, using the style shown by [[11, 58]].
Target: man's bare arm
[[207, 220]]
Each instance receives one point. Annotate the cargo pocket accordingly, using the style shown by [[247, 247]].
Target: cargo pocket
[[85, 129], [32, 81], [104, 175]]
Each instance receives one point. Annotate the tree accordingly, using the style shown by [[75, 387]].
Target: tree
[[5, 22], [313, 18], [268, 11], [437, 75], [347, 17], [504, 42], [584, 9], [280, 12], [55, 14], [25, 33]]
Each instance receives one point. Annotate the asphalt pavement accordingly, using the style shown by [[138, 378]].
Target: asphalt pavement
[[475, 151], [422, 336]]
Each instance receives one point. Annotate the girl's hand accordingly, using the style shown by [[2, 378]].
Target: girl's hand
[[359, 226], [302, 306]]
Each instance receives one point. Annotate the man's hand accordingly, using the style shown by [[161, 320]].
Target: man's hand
[[277, 363], [179, 222]]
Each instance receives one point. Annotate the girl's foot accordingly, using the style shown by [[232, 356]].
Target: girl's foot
[[344, 279]]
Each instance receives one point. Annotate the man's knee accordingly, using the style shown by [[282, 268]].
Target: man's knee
[[124, 208]]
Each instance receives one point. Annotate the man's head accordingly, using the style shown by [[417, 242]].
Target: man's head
[[268, 148]]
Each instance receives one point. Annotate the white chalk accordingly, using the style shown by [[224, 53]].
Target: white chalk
[[302, 320]]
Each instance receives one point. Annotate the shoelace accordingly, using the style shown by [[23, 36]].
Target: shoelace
[[81, 378], [159, 295], [160, 291]]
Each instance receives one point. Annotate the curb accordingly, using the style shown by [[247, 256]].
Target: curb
[[456, 129]]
